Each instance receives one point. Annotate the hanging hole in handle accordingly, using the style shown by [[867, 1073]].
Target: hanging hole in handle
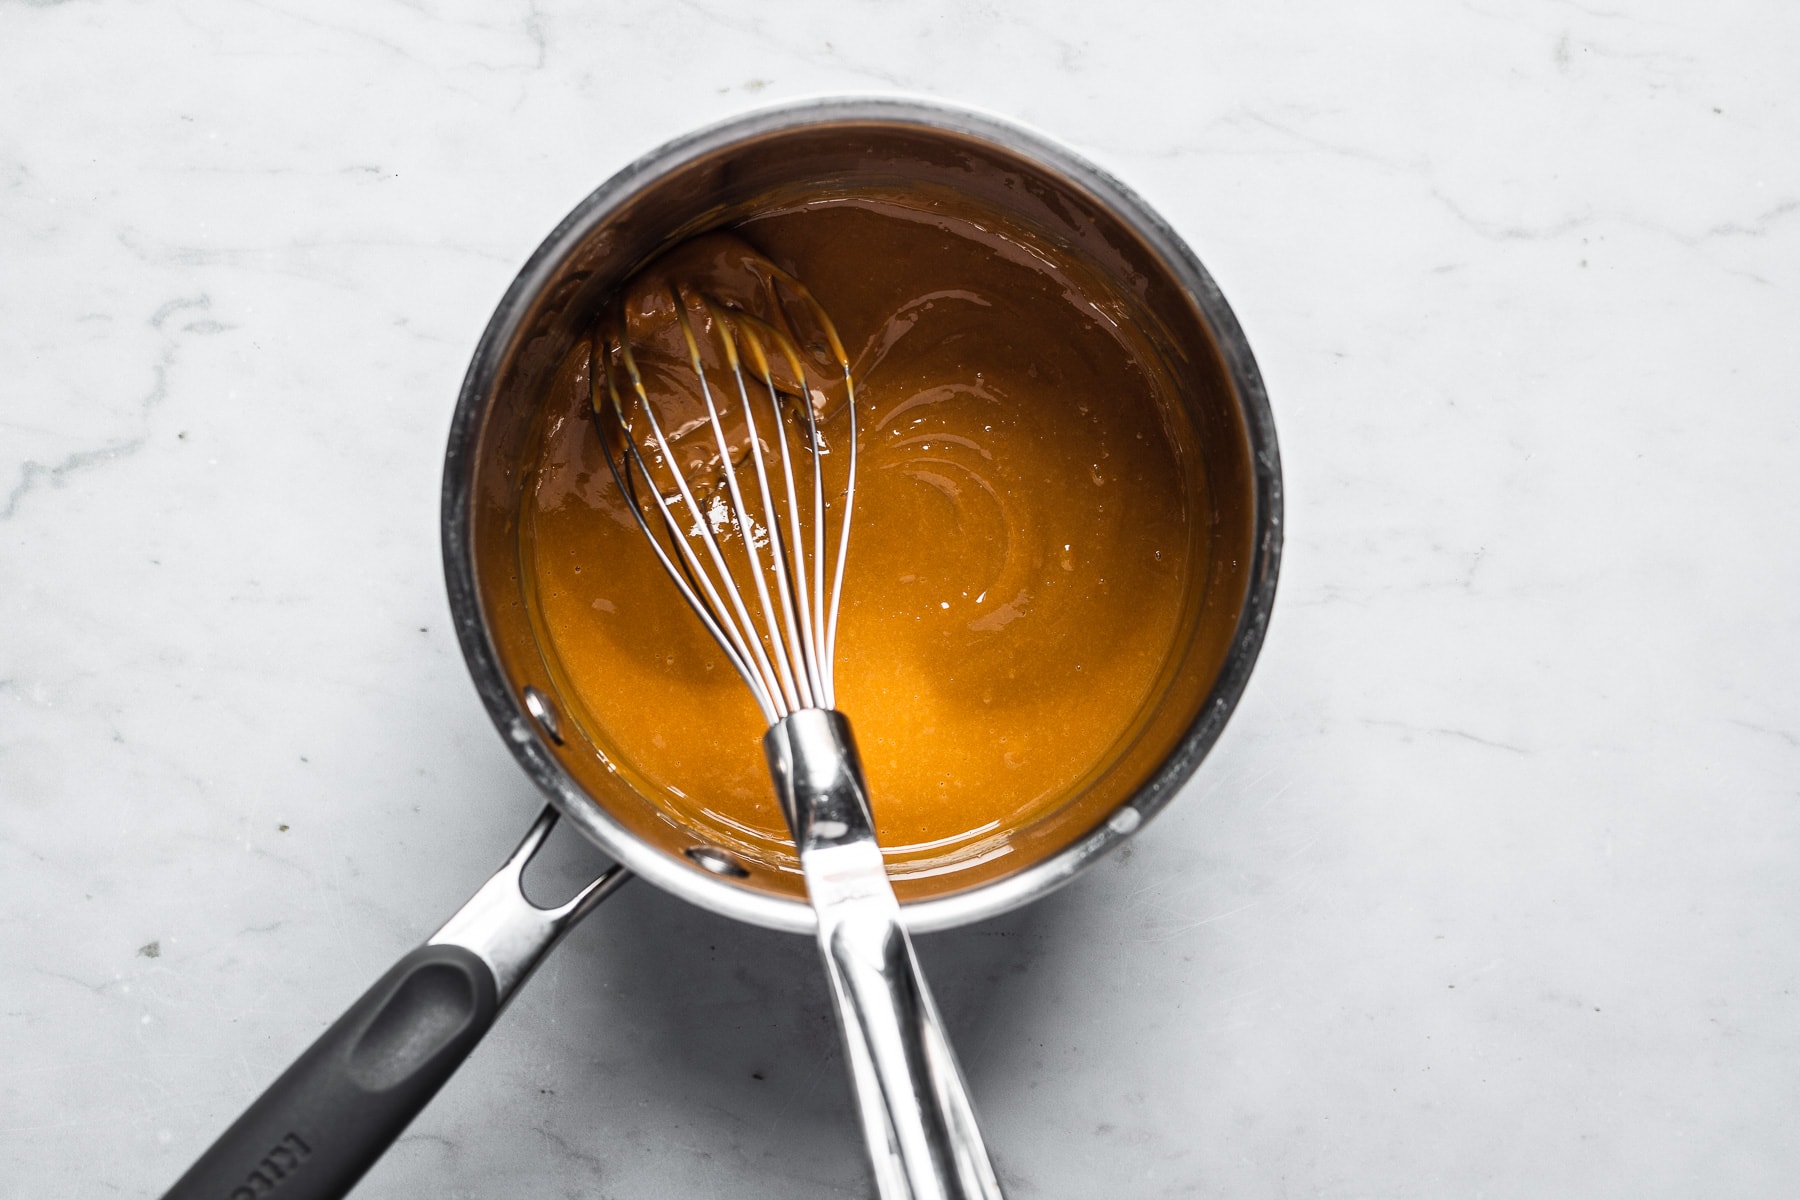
[[718, 861], [566, 862], [541, 710]]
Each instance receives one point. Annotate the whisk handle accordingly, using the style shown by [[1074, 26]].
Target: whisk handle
[[918, 1122]]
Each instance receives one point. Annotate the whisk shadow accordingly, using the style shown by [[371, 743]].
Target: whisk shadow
[[719, 1018]]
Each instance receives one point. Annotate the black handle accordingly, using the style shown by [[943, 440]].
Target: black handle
[[320, 1126]]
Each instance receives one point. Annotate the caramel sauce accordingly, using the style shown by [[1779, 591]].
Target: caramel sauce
[[1023, 539]]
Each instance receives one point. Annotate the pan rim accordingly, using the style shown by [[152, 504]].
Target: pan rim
[[503, 701]]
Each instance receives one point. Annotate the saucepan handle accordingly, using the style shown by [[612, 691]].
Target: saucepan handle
[[324, 1122]]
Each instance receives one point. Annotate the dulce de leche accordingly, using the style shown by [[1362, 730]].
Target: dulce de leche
[[1022, 543]]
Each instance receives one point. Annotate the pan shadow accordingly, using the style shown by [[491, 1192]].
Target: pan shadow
[[725, 1030]]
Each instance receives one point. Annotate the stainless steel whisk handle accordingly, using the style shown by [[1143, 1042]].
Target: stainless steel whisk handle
[[923, 1140]]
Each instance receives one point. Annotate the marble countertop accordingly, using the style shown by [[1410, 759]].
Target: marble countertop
[[1490, 888]]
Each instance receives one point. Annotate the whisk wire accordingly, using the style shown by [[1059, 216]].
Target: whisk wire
[[790, 578], [703, 523], [790, 667], [813, 610], [828, 616], [677, 570], [793, 687], [713, 612]]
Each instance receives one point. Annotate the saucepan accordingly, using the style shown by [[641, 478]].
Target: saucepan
[[325, 1121]]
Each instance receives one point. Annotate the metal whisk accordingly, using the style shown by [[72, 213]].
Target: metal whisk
[[792, 668], [768, 605]]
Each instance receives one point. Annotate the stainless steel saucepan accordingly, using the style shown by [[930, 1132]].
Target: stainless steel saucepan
[[325, 1121]]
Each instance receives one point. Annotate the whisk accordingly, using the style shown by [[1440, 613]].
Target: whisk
[[750, 551]]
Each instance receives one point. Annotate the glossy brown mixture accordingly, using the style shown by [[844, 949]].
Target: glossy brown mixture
[[1022, 542]]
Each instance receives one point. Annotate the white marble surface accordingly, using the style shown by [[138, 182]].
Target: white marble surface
[[1492, 887]]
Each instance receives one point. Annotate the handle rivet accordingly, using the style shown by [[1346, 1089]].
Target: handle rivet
[[541, 710], [718, 861]]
